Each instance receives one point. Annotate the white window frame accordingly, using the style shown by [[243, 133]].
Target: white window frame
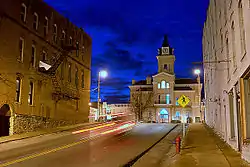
[[31, 93], [70, 40], [36, 21], [25, 12], [34, 61], [63, 35], [163, 84], [46, 26], [159, 85], [55, 33], [167, 99], [18, 89]]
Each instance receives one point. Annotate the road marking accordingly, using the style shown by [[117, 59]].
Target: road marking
[[48, 151]]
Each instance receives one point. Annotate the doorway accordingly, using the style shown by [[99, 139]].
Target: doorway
[[4, 120], [164, 116]]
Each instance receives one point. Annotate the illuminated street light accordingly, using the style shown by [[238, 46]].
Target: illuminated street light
[[101, 74], [197, 72], [90, 104]]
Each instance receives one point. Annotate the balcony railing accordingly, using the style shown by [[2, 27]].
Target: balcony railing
[[162, 102]]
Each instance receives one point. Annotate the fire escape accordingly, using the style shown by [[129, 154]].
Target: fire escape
[[61, 90]]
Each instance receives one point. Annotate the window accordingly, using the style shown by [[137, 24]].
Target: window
[[163, 84], [159, 85], [227, 54], [46, 26], [76, 78], [18, 89], [233, 44], [77, 49], [31, 89], [70, 40], [242, 29], [35, 23], [21, 47], [165, 66], [55, 33], [23, 12], [33, 56], [168, 98], [63, 35], [167, 85], [83, 79], [178, 115], [44, 56], [83, 49], [69, 73]]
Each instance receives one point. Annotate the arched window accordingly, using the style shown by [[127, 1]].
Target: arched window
[[167, 85], [159, 85], [163, 84]]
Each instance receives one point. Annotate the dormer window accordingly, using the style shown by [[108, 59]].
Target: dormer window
[[23, 12], [35, 23]]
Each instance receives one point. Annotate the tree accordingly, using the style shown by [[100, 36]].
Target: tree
[[140, 101]]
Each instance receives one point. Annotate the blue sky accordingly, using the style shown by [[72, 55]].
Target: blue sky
[[127, 34]]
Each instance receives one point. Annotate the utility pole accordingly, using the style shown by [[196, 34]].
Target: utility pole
[[98, 98]]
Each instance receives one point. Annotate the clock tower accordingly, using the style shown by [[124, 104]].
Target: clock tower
[[166, 57]]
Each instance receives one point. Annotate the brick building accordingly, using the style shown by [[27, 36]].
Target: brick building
[[157, 96], [44, 68], [226, 53]]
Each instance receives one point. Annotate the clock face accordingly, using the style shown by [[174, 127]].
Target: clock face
[[165, 50]]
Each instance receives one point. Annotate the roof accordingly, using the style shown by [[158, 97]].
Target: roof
[[185, 81], [183, 88]]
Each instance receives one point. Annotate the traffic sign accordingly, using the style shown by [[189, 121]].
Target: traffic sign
[[183, 101]]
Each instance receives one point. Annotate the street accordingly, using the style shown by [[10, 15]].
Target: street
[[111, 144]]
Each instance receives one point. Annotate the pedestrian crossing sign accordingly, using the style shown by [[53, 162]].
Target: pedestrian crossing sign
[[183, 101]]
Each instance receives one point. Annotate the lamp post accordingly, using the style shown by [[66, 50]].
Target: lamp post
[[101, 74], [197, 72]]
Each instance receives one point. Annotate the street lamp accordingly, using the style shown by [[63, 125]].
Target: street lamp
[[101, 74], [197, 72]]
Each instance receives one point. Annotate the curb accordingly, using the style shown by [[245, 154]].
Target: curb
[[41, 134], [131, 162]]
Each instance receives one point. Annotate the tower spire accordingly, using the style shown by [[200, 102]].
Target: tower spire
[[165, 41]]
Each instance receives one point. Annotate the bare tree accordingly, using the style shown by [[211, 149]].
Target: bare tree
[[140, 101]]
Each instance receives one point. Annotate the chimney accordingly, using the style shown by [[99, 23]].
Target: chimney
[[149, 81], [133, 81]]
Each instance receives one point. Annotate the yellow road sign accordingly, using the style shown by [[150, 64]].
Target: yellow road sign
[[183, 101]]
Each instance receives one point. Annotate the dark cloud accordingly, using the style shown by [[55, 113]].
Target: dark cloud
[[126, 37]]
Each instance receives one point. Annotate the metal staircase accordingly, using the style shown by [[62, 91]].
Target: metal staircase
[[61, 91]]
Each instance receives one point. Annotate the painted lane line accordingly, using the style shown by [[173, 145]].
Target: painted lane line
[[47, 152]]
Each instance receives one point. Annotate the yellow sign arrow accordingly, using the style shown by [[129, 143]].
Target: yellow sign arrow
[[183, 101]]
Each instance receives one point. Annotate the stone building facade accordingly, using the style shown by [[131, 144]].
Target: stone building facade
[[156, 97], [226, 53], [44, 68]]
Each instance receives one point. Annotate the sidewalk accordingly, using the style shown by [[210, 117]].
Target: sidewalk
[[15, 137], [203, 148]]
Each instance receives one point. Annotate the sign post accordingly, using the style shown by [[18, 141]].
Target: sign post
[[183, 101]]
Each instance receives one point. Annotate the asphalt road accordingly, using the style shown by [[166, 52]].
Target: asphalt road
[[111, 145]]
